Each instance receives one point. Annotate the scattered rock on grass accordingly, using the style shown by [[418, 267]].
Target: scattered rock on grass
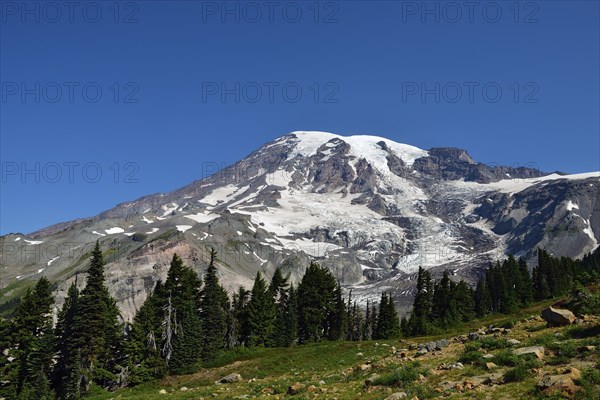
[[557, 385], [558, 317], [396, 396], [231, 378], [537, 351], [296, 388]]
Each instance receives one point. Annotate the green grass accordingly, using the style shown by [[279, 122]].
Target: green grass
[[516, 374], [402, 376]]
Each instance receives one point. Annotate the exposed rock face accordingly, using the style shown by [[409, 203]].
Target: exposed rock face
[[369, 209], [558, 317]]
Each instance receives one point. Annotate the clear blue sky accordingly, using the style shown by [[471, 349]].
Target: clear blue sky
[[369, 57]]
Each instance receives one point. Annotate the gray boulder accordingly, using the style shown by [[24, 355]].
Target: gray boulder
[[558, 317], [231, 378], [537, 351]]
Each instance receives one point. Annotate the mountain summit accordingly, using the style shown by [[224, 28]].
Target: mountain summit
[[369, 209]]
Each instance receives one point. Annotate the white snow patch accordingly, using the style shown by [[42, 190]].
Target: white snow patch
[[219, 195], [33, 241], [570, 206], [39, 271], [114, 230], [146, 220], [98, 233], [168, 209], [17, 239], [128, 233], [183, 228], [152, 231], [262, 261], [239, 233], [203, 217], [52, 260], [516, 185]]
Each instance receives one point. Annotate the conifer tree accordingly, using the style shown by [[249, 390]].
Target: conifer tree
[[67, 370], [443, 307], [388, 324], [290, 319], [463, 298], [261, 314], [483, 301], [420, 317], [145, 338], [525, 287], [182, 334], [214, 306], [338, 317], [367, 330], [316, 300], [34, 343], [240, 315], [279, 289], [98, 335]]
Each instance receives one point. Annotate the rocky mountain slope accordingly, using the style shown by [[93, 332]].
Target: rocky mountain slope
[[368, 208]]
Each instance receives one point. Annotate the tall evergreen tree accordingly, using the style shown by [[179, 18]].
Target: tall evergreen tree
[[261, 314], [240, 315], [443, 307], [145, 338], [182, 333], [367, 330], [464, 297], [525, 286], [420, 317], [388, 324], [316, 300], [290, 320], [98, 334], [67, 370], [214, 306], [338, 320], [34, 343], [483, 301]]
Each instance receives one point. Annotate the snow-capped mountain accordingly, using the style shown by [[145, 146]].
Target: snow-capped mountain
[[370, 209]]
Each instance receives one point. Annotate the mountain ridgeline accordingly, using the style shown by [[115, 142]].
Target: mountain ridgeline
[[369, 210]]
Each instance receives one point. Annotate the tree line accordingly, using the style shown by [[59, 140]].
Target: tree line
[[504, 287], [188, 321]]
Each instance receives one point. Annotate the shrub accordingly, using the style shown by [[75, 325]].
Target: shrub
[[589, 381], [139, 237], [516, 374], [492, 343], [472, 357], [507, 358], [508, 324], [401, 377], [564, 352]]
